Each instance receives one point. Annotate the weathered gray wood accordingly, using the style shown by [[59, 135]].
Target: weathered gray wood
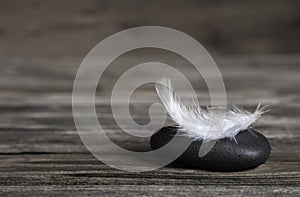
[[41, 152], [72, 27], [42, 44]]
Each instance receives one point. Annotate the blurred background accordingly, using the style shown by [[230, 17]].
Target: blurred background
[[70, 28], [256, 45], [42, 43]]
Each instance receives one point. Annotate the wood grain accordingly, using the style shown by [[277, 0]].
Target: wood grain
[[68, 28], [42, 154]]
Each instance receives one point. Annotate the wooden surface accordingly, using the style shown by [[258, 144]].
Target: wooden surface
[[41, 152], [67, 28], [42, 44]]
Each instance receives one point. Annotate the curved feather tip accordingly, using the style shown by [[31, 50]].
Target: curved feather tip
[[194, 121]]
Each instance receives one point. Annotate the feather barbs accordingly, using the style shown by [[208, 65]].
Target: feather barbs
[[194, 121]]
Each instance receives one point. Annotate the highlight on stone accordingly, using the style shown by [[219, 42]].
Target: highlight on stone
[[237, 147]]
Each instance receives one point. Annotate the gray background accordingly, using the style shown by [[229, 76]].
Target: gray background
[[256, 45]]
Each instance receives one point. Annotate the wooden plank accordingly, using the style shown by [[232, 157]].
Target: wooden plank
[[72, 27], [41, 152], [43, 44]]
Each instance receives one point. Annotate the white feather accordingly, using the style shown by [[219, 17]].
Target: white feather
[[194, 121]]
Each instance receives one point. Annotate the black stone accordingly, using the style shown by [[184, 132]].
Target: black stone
[[248, 151]]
